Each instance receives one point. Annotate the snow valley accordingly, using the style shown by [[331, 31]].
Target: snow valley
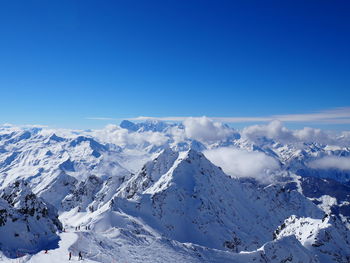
[[197, 191]]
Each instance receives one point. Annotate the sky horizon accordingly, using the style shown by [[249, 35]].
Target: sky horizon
[[84, 64], [332, 120]]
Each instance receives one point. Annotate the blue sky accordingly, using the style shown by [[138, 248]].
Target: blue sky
[[65, 62]]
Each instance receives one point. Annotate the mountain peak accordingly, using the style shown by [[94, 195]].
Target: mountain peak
[[193, 154], [149, 125], [130, 126], [56, 138]]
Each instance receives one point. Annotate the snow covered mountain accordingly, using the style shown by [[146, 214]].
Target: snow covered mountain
[[194, 201], [328, 238], [27, 223], [154, 192], [154, 126]]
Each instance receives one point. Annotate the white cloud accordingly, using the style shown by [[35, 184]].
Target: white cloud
[[334, 162], [337, 115], [114, 134], [272, 130], [241, 163], [177, 134], [308, 134], [345, 135], [276, 131], [330, 116], [205, 130], [7, 125]]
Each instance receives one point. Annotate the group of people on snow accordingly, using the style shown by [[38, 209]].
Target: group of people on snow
[[77, 228], [80, 255]]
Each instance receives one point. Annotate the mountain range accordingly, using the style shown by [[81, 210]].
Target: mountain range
[[152, 191]]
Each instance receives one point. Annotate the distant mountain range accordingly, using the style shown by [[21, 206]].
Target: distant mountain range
[[191, 192]]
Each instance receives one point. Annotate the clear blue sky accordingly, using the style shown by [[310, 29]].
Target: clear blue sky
[[63, 61]]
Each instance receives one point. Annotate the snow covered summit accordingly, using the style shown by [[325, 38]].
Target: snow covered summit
[[194, 201]]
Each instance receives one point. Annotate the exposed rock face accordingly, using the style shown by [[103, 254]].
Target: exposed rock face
[[27, 223], [327, 237]]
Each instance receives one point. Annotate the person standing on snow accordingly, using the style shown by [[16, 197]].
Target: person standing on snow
[[80, 256], [70, 255]]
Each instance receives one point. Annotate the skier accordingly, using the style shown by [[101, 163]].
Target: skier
[[70, 255], [80, 256]]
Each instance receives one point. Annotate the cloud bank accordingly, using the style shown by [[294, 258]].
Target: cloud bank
[[331, 162], [273, 130], [276, 131], [242, 163], [330, 116], [119, 136], [205, 130]]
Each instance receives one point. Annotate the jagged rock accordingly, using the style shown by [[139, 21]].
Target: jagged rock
[[27, 223]]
